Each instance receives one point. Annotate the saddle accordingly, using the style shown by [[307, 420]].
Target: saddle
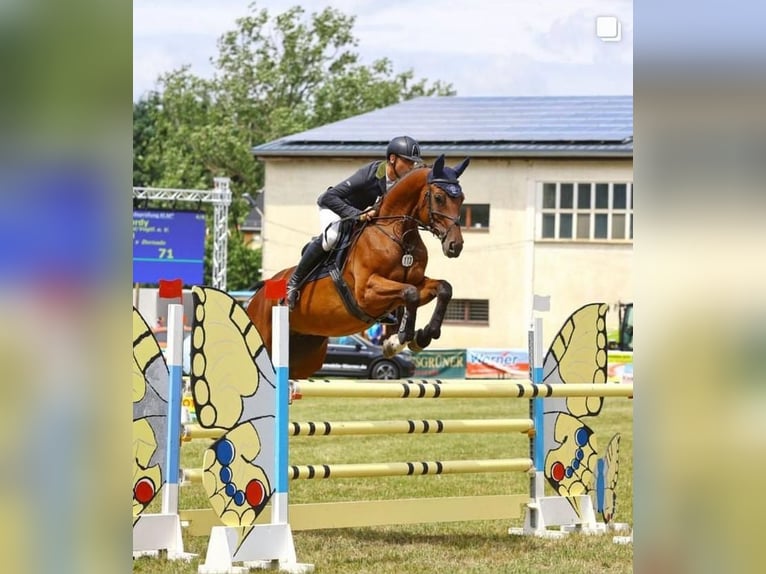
[[336, 257], [334, 262]]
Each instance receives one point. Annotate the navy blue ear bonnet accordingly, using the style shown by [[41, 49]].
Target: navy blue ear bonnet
[[447, 177]]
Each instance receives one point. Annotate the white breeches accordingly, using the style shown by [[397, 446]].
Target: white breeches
[[330, 227]]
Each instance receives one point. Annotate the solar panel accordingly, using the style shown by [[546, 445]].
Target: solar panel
[[479, 120]]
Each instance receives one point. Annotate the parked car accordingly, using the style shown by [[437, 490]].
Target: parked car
[[349, 356], [355, 356]]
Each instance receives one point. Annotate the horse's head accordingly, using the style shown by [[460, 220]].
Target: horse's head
[[440, 211]]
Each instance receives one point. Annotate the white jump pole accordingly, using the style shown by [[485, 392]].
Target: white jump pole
[[175, 385], [280, 353]]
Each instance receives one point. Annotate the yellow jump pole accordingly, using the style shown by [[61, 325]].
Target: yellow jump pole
[[378, 469], [424, 426], [409, 468], [464, 390]]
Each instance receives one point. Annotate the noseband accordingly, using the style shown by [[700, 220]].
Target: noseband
[[455, 221], [431, 225]]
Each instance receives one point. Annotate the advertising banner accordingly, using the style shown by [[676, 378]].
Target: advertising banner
[[441, 364], [497, 363]]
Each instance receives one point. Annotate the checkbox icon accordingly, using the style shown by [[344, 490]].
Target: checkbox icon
[[608, 28]]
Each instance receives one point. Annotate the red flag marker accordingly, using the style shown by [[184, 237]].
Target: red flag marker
[[275, 289], [171, 288]]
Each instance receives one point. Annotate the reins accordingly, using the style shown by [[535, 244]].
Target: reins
[[418, 224], [430, 227]]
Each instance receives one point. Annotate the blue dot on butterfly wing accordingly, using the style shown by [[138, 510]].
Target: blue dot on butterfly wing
[[224, 452], [581, 436]]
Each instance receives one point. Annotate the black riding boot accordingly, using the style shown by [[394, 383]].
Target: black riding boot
[[309, 260]]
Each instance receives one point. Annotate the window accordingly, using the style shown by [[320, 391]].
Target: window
[[586, 211], [474, 216], [468, 311]]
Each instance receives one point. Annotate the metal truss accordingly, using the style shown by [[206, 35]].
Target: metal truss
[[220, 197]]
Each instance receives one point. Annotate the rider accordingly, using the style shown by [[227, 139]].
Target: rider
[[352, 199]]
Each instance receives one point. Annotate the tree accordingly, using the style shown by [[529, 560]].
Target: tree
[[144, 174], [242, 263], [273, 77]]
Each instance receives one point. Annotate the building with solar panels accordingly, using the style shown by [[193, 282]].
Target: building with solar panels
[[548, 208]]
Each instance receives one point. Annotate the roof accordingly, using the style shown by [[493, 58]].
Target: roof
[[479, 126]]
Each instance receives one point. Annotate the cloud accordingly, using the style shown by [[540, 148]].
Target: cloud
[[162, 18], [482, 47]]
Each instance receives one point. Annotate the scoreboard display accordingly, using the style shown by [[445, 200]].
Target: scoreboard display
[[168, 245]]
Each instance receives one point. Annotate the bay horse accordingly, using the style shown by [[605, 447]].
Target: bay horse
[[383, 271]]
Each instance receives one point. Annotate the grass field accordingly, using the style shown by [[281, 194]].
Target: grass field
[[475, 547]]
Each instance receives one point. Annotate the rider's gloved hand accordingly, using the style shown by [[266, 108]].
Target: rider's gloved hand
[[367, 215]]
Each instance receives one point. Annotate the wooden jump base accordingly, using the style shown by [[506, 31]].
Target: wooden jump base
[[356, 514]]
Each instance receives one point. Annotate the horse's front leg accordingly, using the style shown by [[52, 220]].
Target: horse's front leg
[[397, 342], [385, 292], [429, 289]]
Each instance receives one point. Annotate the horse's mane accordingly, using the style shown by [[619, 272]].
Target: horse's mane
[[414, 180]]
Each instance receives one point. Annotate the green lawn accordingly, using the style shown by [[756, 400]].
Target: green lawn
[[476, 547]]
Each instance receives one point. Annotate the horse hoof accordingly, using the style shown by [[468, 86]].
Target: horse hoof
[[389, 350], [414, 347]]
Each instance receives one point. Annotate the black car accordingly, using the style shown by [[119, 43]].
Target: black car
[[355, 356]]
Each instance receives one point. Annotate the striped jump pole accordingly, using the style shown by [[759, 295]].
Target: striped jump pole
[[457, 389], [381, 469], [347, 428]]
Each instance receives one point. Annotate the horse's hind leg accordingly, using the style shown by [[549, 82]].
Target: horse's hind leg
[[431, 288]]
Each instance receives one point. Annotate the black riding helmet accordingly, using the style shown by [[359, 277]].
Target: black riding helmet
[[406, 147]]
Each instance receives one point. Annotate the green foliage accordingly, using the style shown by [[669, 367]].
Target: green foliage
[[274, 76], [243, 264], [144, 132]]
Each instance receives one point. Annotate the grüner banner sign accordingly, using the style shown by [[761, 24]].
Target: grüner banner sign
[[445, 364]]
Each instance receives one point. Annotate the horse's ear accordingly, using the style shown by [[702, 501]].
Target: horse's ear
[[460, 168], [438, 168]]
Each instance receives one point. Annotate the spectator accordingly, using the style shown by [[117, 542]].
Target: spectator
[[375, 334]]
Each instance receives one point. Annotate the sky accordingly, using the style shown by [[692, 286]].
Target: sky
[[481, 47]]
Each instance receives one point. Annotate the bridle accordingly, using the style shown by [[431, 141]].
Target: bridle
[[431, 212], [430, 226]]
